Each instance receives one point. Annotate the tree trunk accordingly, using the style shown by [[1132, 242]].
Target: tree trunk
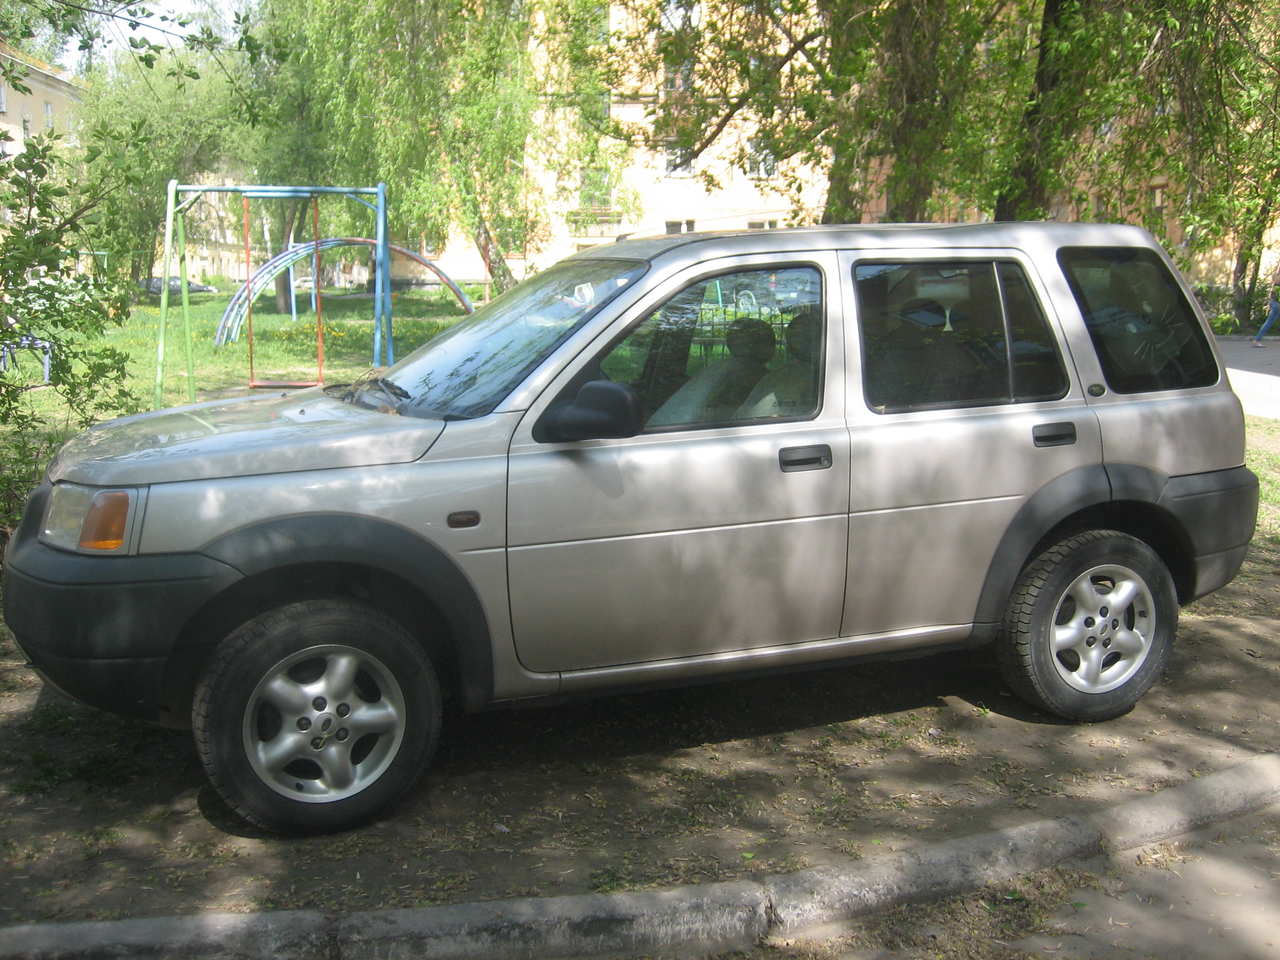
[[1244, 274], [917, 94], [1027, 196], [907, 196], [845, 194], [494, 259], [283, 293], [847, 38]]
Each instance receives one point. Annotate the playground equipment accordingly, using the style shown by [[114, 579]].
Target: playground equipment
[[233, 318], [175, 220]]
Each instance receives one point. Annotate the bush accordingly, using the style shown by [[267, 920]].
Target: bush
[[43, 296]]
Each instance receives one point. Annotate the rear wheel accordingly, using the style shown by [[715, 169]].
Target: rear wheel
[[1090, 626], [316, 715]]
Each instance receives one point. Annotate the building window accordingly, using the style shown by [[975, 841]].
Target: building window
[[598, 30], [761, 163], [593, 191], [26, 127], [677, 78], [678, 163], [680, 15], [595, 216], [48, 115], [4, 98], [1158, 203]]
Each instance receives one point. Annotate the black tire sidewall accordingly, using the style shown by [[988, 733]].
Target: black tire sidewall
[[264, 642], [1108, 548]]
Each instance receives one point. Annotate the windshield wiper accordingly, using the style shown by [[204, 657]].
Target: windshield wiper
[[389, 387], [348, 392]]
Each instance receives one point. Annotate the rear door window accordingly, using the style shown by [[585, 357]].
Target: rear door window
[[939, 334], [1145, 333]]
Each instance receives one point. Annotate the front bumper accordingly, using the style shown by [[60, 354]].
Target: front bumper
[[102, 628]]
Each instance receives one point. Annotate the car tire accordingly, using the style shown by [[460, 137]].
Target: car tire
[[1090, 626], [315, 716]]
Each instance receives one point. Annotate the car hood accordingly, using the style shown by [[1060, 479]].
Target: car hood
[[241, 437]]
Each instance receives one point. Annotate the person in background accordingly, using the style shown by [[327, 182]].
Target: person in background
[[1273, 311]]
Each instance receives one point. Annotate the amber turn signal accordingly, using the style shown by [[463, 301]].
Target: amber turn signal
[[104, 525]]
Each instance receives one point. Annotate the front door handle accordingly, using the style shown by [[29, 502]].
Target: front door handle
[[816, 457], [1054, 434]]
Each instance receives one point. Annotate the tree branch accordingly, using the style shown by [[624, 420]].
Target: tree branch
[[745, 97]]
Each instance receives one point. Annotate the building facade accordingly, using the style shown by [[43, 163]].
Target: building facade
[[46, 109]]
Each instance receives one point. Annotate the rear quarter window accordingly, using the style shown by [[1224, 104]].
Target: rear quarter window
[[1144, 331]]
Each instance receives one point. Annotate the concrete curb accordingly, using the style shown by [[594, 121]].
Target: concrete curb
[[682, 920]]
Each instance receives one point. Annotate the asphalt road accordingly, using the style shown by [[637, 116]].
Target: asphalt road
[[1210, 895], [1254, 373]]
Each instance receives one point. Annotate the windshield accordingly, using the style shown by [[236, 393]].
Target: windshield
[[469, 368]]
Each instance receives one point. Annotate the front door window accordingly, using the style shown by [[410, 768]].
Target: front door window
[[743, 347]]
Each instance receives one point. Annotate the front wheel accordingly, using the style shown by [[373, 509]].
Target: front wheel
[[1090, 626], [315, 716]]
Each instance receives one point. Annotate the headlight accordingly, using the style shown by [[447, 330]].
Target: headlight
[[90, 519]]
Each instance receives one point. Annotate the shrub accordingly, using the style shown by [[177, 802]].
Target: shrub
[[42, 295]]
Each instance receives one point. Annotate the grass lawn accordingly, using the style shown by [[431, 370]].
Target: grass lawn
[[1262, 456], [284, 349]]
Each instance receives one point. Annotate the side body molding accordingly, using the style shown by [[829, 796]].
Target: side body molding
[[377, 545]]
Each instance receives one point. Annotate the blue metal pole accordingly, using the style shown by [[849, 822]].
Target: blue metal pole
[[384, 265], [259, 191], [293, 295], [379, 278]]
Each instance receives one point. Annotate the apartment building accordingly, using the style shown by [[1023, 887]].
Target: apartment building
[[653, 190], [48, 107]]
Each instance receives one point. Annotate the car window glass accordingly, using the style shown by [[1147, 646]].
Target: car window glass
[[939, 334], [735, 348], [469, 368], [1038, 373], [1145, 333], [932, 335]]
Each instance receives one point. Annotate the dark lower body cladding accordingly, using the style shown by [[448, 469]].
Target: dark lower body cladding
[[1218, 511], [102, 629]]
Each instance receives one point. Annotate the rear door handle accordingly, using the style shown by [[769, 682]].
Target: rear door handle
[[816, 457], [1054, 434]]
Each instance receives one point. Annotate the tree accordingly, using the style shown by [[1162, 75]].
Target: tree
[[143, 127], [444, 100], [879, 96], [44, 300], [1215, 103]]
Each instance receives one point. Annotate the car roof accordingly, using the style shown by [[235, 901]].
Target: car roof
[[948, 236]]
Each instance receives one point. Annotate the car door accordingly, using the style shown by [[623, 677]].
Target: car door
[[966, 408], [722, 526]]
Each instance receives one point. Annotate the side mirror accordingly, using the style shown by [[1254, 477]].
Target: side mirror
[[602, 409]]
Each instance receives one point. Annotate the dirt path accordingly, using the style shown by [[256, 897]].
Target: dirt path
[[1206, 896], [104, 818]]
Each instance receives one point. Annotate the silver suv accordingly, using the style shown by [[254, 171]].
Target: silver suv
[[625, 473]]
